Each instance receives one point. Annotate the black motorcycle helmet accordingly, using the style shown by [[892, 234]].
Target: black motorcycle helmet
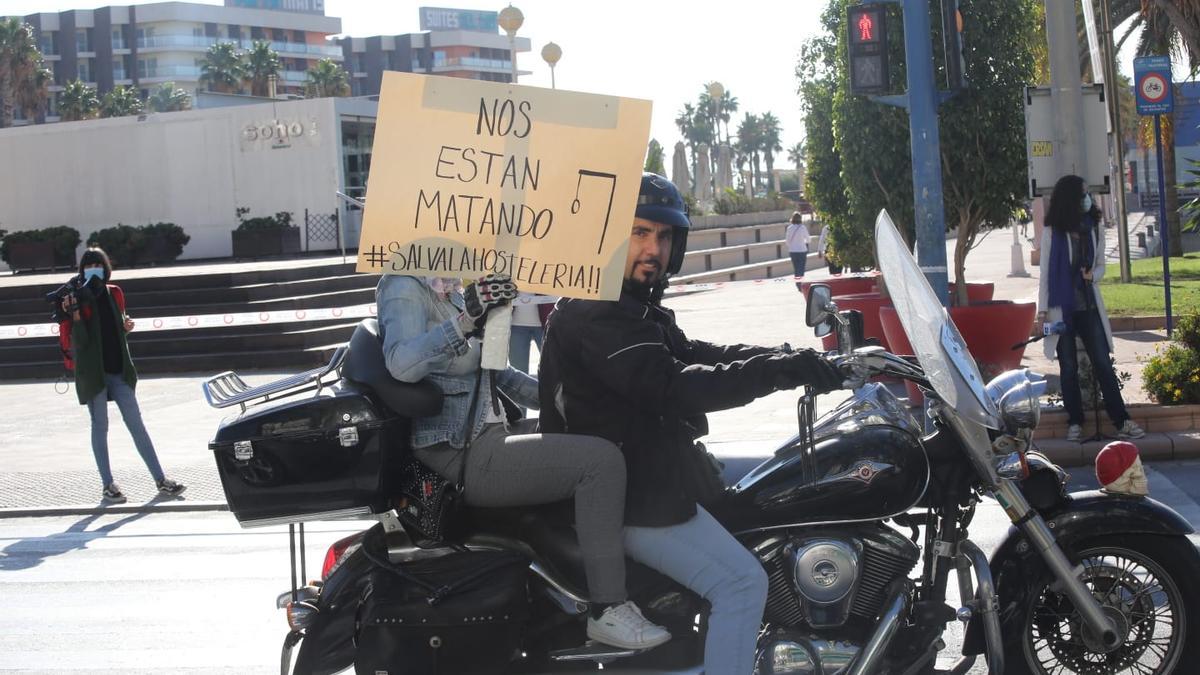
[[659, 201]]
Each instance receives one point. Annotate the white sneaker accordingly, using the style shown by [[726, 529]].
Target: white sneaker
[[1130, 429], [1074, 432], [624, 626]]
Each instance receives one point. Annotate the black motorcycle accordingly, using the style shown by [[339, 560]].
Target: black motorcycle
[[859, 520]]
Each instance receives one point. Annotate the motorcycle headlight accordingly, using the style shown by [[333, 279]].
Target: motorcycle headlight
[[1020, 407]]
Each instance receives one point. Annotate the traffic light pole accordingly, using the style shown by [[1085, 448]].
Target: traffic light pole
[[923, 99]]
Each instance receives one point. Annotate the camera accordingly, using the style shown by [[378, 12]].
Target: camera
[[76, 286]]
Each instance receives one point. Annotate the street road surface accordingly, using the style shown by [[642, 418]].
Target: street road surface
[[194, 593]]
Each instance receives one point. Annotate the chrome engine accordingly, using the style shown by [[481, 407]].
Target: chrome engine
[[824, 578], [784, 652]]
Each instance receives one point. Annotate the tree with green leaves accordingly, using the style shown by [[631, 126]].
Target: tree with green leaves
[[121, 101], [168, 98], [654, 158], [261, 63], [77, 102], [22, 80], [327, 78], [222, 68], [984, 162], [816, 73]]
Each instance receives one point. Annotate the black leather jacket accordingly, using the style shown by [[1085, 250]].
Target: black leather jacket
[[624, 371]]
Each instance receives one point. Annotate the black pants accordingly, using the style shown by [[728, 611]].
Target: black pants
[[1088, 327]]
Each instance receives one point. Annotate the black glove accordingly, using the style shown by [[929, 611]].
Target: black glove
[[806, 367], [486, 294]]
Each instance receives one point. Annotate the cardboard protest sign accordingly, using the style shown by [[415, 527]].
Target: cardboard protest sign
[[471, 177]]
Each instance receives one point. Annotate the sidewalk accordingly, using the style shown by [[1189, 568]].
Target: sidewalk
[[48, 462]]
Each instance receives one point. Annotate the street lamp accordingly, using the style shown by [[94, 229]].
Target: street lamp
[[510, 20], [551, 53], [716, 92]]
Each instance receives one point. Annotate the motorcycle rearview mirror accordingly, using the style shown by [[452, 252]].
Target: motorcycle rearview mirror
[[820, 309]]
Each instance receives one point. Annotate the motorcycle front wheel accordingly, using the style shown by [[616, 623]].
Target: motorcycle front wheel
[[1148, 585]]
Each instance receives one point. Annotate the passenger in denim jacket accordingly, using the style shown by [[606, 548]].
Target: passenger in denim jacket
[[423, 340], [426, 332]]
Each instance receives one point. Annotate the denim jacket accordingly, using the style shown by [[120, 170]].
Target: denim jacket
[[422, 341]]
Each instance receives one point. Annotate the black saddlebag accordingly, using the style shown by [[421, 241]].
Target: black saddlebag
[[460, 614], [309, 457]]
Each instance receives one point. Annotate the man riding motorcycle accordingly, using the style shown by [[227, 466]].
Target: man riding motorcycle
[[624, 371]]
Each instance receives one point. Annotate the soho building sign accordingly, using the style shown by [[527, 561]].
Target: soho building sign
[[277, 134]]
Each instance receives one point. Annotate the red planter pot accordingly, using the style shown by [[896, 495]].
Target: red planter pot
[[846, 284], [977, 291], [870, 305], [990, 329]]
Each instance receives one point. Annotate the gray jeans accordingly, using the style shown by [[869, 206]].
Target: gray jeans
[[126, 401], [702, 555], [524, 469]]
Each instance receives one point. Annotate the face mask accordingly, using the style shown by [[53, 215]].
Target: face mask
[[93, 273], [1087, 202]]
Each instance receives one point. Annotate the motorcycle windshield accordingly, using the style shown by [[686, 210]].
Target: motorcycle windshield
[[944, 356]]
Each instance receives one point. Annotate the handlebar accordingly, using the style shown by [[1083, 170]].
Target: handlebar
[[866, 362]]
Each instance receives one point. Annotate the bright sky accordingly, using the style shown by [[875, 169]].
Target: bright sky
[[661, 51]]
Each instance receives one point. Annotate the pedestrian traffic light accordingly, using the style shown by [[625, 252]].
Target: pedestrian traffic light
[[952, 25], [868, 49]]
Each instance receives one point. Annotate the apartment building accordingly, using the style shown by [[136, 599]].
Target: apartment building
[[144, 45], [452, 42]]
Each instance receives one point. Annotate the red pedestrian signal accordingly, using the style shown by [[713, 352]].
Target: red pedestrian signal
[[867, 30], [866, 27]]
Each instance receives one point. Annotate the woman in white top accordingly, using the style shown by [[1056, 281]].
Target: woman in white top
[[797, 242]]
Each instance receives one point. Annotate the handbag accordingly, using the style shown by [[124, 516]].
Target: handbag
[[429, 504]]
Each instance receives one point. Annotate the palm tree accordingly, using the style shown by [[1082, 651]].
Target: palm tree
[[119, 102], [1160, 25], [77, 102], [20, 62], [33, 92], [728, 105], [261, 63], [771, 143], [222, 68], [750, 143], [796, 156], [326, 79], [683, 121], [168, 98]]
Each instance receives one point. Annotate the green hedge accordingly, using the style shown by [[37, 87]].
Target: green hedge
[[128, 246], [280, 221], [732, 202], [66, 240]]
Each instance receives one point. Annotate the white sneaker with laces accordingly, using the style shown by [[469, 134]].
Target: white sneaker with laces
[[1130, 429], [1074, 432], [624, 626]]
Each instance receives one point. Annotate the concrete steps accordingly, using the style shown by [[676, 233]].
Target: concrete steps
[[714, 254]]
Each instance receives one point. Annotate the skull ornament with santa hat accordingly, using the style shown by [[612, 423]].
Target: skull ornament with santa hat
[[1119, 469]]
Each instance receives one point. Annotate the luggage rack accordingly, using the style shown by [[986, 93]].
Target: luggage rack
[[229, 389]]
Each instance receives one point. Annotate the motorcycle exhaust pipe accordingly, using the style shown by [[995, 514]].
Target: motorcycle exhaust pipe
[[889, 622]]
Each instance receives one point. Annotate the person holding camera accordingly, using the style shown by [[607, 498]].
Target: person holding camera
[[95, 319]]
